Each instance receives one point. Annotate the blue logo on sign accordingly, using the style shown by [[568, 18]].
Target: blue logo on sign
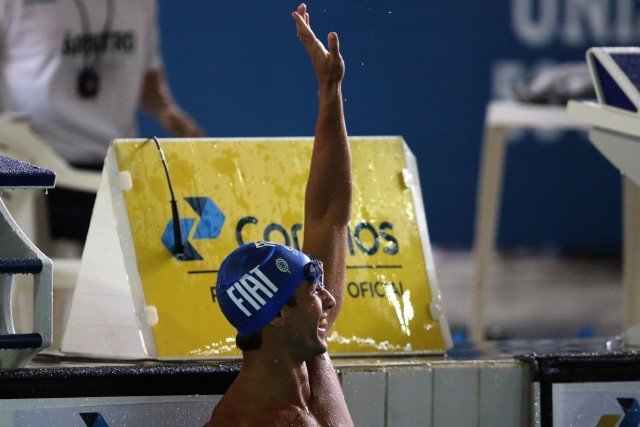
[[93, 419], [631, 417], [211, 220], [631, 412]]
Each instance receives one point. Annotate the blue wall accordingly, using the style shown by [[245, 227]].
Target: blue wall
[[424, 70]]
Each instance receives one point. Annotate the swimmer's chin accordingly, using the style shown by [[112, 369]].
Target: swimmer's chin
[[322, 338]]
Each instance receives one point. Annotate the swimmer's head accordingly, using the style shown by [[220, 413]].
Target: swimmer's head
[[257, 279]]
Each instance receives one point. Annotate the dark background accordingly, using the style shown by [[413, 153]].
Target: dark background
[[423, 70]]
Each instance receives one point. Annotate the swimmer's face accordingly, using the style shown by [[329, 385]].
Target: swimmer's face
[[306, 322]]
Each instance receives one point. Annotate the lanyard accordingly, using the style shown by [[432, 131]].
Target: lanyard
[[88, 84]]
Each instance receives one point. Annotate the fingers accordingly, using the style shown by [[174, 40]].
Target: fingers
[[302, 28], [302, 12], [328, 64], [314, 47], [300, 23], [334, 45], [302, 17]]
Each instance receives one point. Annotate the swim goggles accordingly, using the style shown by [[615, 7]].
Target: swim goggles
[[314, 271]]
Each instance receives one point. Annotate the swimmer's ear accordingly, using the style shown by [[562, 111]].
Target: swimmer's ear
[[278, 321]]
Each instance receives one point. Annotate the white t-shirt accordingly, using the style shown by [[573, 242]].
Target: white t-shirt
[[45, 44]]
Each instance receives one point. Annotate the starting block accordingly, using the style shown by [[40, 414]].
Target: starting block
[[19, 256], [138, 299], [615, 132]]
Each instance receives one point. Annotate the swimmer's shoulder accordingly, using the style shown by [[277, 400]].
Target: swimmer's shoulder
[[221, 420], [240, 419], [290, 416], [327, 399]]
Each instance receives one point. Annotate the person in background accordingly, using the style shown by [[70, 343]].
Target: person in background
[[80, 70], [282, 301]]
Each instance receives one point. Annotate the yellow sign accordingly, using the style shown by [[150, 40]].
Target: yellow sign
[[231, 192]]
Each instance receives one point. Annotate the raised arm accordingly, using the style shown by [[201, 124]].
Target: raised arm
[[327, 207], [329, 188]]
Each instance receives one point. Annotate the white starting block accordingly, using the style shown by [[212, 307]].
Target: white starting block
[[19, 256], [615, 121], [28, 210], [136, 299]]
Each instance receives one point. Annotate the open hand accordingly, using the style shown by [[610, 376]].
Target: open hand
[[328, 64]]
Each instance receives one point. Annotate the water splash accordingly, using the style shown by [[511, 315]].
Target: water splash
[[368, 343], [215, 348], [404, 315]]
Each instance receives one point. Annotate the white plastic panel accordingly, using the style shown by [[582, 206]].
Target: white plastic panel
[[409, 397], [365, 394], [455, 392]]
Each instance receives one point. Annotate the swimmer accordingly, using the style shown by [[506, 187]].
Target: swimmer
[[283, 302]]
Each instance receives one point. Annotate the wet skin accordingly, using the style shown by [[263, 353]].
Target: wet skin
[[290, 379], [302, 336], [305, 331]]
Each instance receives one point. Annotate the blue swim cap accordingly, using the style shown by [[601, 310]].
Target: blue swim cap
[[256, 280]]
